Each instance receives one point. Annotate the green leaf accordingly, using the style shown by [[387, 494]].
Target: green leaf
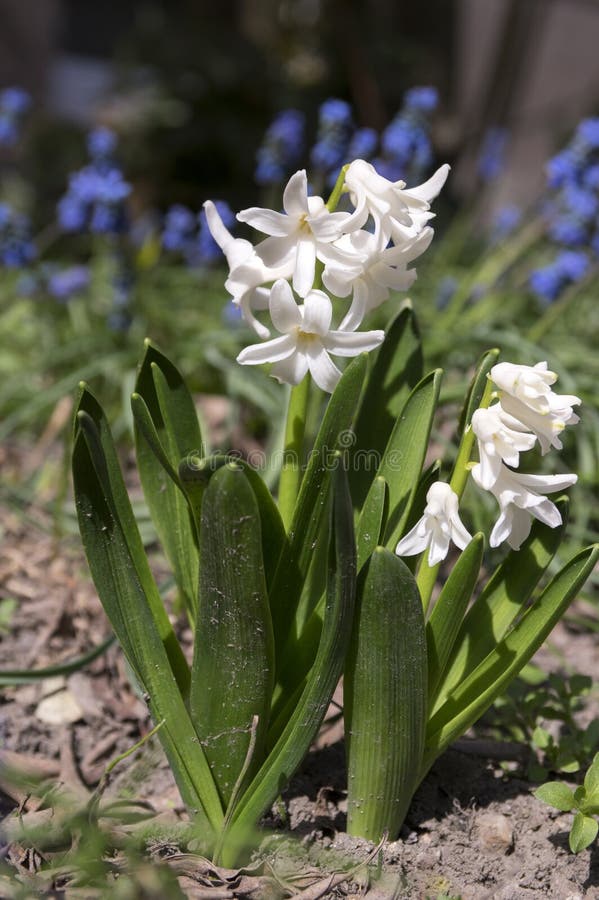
[[132, 604], [591, 779], [385, 690], [469, 699], [311, 504], [232, 672], [402, 461], [448, 612], [503, 598], [397, 368], [584, 831], [372, 520], [556, 794], [166, 430], [94, 430], [308, 713], [477, 388], [195, 474]]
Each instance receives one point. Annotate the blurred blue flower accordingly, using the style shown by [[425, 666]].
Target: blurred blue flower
[[491, 160], [281, 148], [65, 283], [363, 144], [14, 103], [567, 268], [96, 195], [588, 133], [188, 234], [179, 229], [16, 246], [335, 129], [568, 230], [505, 221], [561, 169], [421, 99], [445, 291]]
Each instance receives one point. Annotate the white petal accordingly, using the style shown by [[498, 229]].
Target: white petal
[[324, 371], [236, 250], [431, 188], [245, 304], [459, 533], [521, 524], [305, 266], [295, 195], [359, 306], [291, 370], [270, 351], [267, 220], [329, 226], [277, 253], [548, 513], [284, 311], [547, 484], [502, 528], [351, 343], [317, 313], [413, 542], [439, 547], [490, 467]]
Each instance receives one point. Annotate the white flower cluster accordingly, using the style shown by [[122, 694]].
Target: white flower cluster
[[527, 410], [362, 264]]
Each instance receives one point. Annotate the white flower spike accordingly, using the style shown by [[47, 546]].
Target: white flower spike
[[302, 234], [527, 396], [397, 213], [306, 339], [521, 497], [439, 525], [500, 439]]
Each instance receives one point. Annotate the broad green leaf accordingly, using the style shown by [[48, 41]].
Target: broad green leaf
[[130, 600], [166, 430], [92, 425], [504, 597], [385, 689], [311, 504], [556, 794], [401, 465], [195, 474], [477, 388], [584, 831], [311, 706], [448, 612], [372, 520], [591, 779], [233, 664], [470, 698], [397, 368]]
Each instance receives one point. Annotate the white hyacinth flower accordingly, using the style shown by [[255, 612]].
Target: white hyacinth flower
[[306, 339], [439, 525], [302, 234], [521, 497], [398, 213], [527, 396], [500, 439], [247, 274], [383, 269]]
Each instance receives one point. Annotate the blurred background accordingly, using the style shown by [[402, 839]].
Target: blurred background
[[193, 85]]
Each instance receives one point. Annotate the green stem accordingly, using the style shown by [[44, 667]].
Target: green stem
[[291, 470], [337, 190], [427, 575]]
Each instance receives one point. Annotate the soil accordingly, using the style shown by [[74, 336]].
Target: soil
[[474, 830]]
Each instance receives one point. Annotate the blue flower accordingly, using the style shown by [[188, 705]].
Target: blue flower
[[65, 283], [363, 144], [16, 247], [580, 203], [15, 100], [561, 169], [335, 128], [569, 231], [421, 99], [546, 283], [573, 265], [491, 160], [588, 133], [101, 143], [505, 221], [179, 229], [282, 147], [95, 199]]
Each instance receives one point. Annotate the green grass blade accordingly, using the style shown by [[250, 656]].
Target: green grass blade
[[474, 695], [233, 665], [477, 388], [448, 612], [505, 595], [395, 371], [385, 691], [302, 727], [30, 676]]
